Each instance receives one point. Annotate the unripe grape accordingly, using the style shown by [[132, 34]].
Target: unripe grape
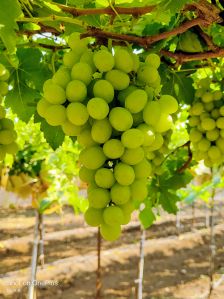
[[3, 88], [153, 60], [54, 93], [158, 142], [215, 113], [133, 156], [124, 174], [199, 92], [217, 95], [77, 114], [123, 60], [83, 72], [165, 122], [11, 148], [208, 124], [110, 233], [195, 135], [143, 169], [103, 89], [76, 91], [194, 121], [87, 57], [132, 138], [113, 215], [207, 97], [92, 157], [55, 115], [2, 70], [103, 60], [209, 106], [71, 58], [61, 77], [6, 76], [85, 138], [204, 115], [149, 136], [113, 149], [123, 94], [220, 123], [136, 101], [104, 178], [221, 111], [139, 190], [120, 119], [97, 108], [42, 107], [205, 82], [151, 113], [147, 74], [197, 109], [7, 136], [120, 194], [77, 44], [168, 104], [87, 175], [118, 79], [204, 144], [212, 135], [101, 130], [71, 130], [214, 153], [99, 198], [94, 217]]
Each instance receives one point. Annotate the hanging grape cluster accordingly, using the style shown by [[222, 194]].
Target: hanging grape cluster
[[7, 132], [111, 101], [206, 124]]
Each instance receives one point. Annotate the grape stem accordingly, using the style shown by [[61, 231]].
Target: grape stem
[[188, 162]]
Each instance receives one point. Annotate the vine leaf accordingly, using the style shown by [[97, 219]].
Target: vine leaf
[[53, 135], [168, 201], [147, 217]]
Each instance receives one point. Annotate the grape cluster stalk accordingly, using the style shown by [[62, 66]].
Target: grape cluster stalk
[[112, 102]]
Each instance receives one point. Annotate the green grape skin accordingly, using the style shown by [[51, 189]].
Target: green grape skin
[[164, 124], [214, 153], [123, 60], [113, 149], [42, 107], [139, 190], [132, 138], [208, 124], [221, 110], [76, 91], [222, 133], [120, 119], [103, 60], [147, 74], [133, 156], [120, 194], [212, 135], [70, 58], [215, 113], [86, 175], [101, 130], [71, 130], [136, 62], [62, 77], [11, 148], [2, 152], [207, 97], [97, 108], [92, 157], [151, 113], [150, 92], [133, 105], [7, 124], [194, 121], [220, 144], [85, 138], [118, 79], [94, 217], [82, 71], [55, 115], [2, 112], [99, 198], [54, 93], [199, 92], [195, 135], [168, 104], [137, 119], [77, 44], [209, 106], [153, 60], [124, 174], [77, 114], [220, 123], [110, 233], [143, 169], [217, 95], [87, 57], [123, 94], [6, 76], [204, 145], [2, 70], [3, 88], [158, 142], [204, 115], [113, 215], [197, 109], [104, 178], [103, 89], [7, 136]]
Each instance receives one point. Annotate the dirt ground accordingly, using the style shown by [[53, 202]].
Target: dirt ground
[[176, 260]]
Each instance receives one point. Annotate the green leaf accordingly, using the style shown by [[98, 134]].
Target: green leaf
[[178, 181], [147, 217], [53, 135], [9, 11], [168, 201]]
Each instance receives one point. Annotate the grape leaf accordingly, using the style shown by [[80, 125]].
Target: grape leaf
[[53, 135], [168, 201], [147, 217]]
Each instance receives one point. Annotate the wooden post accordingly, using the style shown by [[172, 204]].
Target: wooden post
[[41, 239], [98, 272], [141, 265]]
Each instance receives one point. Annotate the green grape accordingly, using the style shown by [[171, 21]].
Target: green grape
[[54, 93], [143, 169], [11, 148], [208, 163], [123, 94], [207, 97], [204, 145], [197, 109], [42, 107], [136, 101], [87, 57], [2, 152], [217, 95], [82, 71], [221, 111], [101, 130], [189, 42], [220, 123], [97, 108], [165, 123], [99, 198], [7, 124], [156, 86], [222, 133], [151, 113], [123, 60], [157, 144], [103, 60], [120, 194], [61, 77], [147, 74], [93, 217], [71, 130], [103, 89], [194, 121], [2, 70], [139, 190], [55, 115], [168, 104], [86, 175], [124, 174], [118, 79], [3, 88], [136, 62], [77, 114], [132, 138], [6, 76], [77, 44], [113, 149], [127, 217], [85, 138], [220, 144], [215, 113], [209, 106], [133, 156], [208, 124], [120, 119], [104, 178], [2, 112], [205, 83], [71, 58], [212, 135], [195, 135], [153, 60], [214, 153], [204, 115], [137, 118], [7, 136], [92, 157], [110, 233], [113, 215], [76, 91], [199, 92]]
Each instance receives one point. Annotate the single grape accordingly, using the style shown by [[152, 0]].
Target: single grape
[[220, 144], [132, 138], [110, 233], [120, 194], [220, 123], [113, 215], [7, 124], [208, 124], [204, 144], [4, 87], [2, 70], [120, 119], [62, 77], [71, 130], [54, 93], [113, 149], [207, 97], [194, 121], [209, 106], [133, 156], [123, 60], [153, 60], [123, 94], [94, 217], [82, 71], [103, 60], [87, 175], [151, 113], [70, 58], [101, 130], [168, 104], [139, 190], [77, 44], [165, 123], [195, 135], [214, 153], [143, 169], [124, 174], [77, 114], [148, 132], [76, 91], [55, 115], [11, 148], [221, 111], [217, 95], [42, 107], [147, 74], [136, 101], [158, 142], [136, 62], [85, 138], [92, 157], [103, 89], [197, 109], [212, 135], [7, 136], [118, 79], [97, 108], [104, 178], [99, 198]]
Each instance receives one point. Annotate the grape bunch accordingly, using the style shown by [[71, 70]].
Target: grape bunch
[[7, 132], [206, 124], [112, 103]]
